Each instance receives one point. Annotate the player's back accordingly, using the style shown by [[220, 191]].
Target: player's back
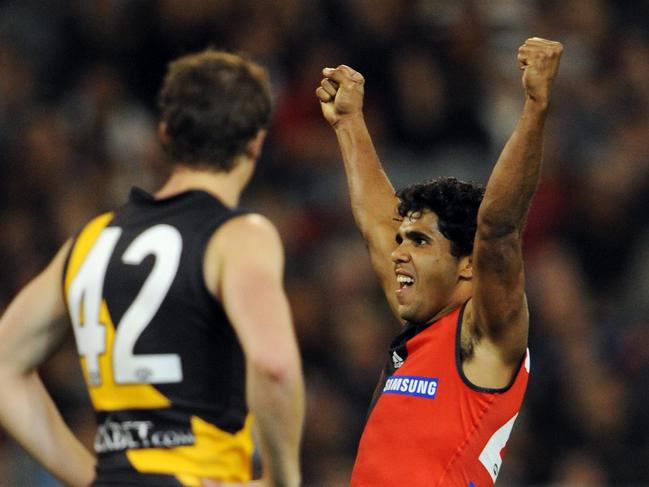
[[164, 369]]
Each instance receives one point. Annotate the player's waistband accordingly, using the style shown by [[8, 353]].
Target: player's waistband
[[115, 470]]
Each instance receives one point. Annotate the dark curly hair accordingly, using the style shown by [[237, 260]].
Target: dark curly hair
[[454, 202], [213, 103]]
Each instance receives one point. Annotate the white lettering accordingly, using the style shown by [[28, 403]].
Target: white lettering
[[416, 386], [490, 456], [113, 436], [169, 439]]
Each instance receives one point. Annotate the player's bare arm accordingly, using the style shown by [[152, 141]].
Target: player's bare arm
[[497, 315], [244, 269], [372, 196], [31, 329]]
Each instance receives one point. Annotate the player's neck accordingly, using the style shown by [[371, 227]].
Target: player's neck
[[461, 294], [226, 186]]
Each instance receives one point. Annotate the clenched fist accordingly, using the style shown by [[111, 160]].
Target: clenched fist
[[539, 59], [340, 93]]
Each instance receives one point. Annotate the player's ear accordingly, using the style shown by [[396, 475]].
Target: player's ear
[[253, 149], [163, 134], [465, 268]]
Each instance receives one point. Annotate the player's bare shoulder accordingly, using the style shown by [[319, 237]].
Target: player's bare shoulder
[[248, 238], [248, 232], [250, 222]]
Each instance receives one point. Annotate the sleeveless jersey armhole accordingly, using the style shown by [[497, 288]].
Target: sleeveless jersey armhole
[[460, 370], [201, 287]]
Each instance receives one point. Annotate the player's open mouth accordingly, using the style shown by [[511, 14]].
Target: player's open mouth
[[404, 281]]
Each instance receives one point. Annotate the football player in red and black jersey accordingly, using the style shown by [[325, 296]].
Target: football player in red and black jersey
[[451, 265]]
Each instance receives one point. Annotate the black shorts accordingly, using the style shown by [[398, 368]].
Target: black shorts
[[115, 470]]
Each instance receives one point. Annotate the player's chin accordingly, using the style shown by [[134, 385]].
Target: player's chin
[[406, 312]]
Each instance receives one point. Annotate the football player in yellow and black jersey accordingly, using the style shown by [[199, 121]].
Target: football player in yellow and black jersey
[[178, 310]]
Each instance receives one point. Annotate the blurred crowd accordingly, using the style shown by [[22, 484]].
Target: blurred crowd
[[78, 83]]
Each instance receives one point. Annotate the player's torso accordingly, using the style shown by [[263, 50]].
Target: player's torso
[[429, 426], [164, 369]]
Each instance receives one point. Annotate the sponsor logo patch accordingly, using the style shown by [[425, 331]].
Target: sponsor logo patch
[[411, 386], [116, 436], [397, 360]]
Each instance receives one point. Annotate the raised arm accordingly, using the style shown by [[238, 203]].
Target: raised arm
[[31, 329], [372, 196], [244, 267], [499, 307]]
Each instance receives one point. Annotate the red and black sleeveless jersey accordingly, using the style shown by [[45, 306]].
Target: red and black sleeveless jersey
[[429, 426], [163, 366]]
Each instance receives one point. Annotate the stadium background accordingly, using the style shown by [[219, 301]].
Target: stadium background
[[77, 127]]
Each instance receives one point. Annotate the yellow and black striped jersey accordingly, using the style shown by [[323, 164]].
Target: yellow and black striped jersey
[[163, 366]]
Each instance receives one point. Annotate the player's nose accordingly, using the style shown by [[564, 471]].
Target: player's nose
[[400, 254]]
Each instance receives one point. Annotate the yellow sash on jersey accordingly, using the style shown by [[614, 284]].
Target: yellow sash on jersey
[[215, 454]]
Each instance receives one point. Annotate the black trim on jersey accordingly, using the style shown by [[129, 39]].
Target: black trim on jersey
[[202, 244], [377, 393], [460, 370]]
